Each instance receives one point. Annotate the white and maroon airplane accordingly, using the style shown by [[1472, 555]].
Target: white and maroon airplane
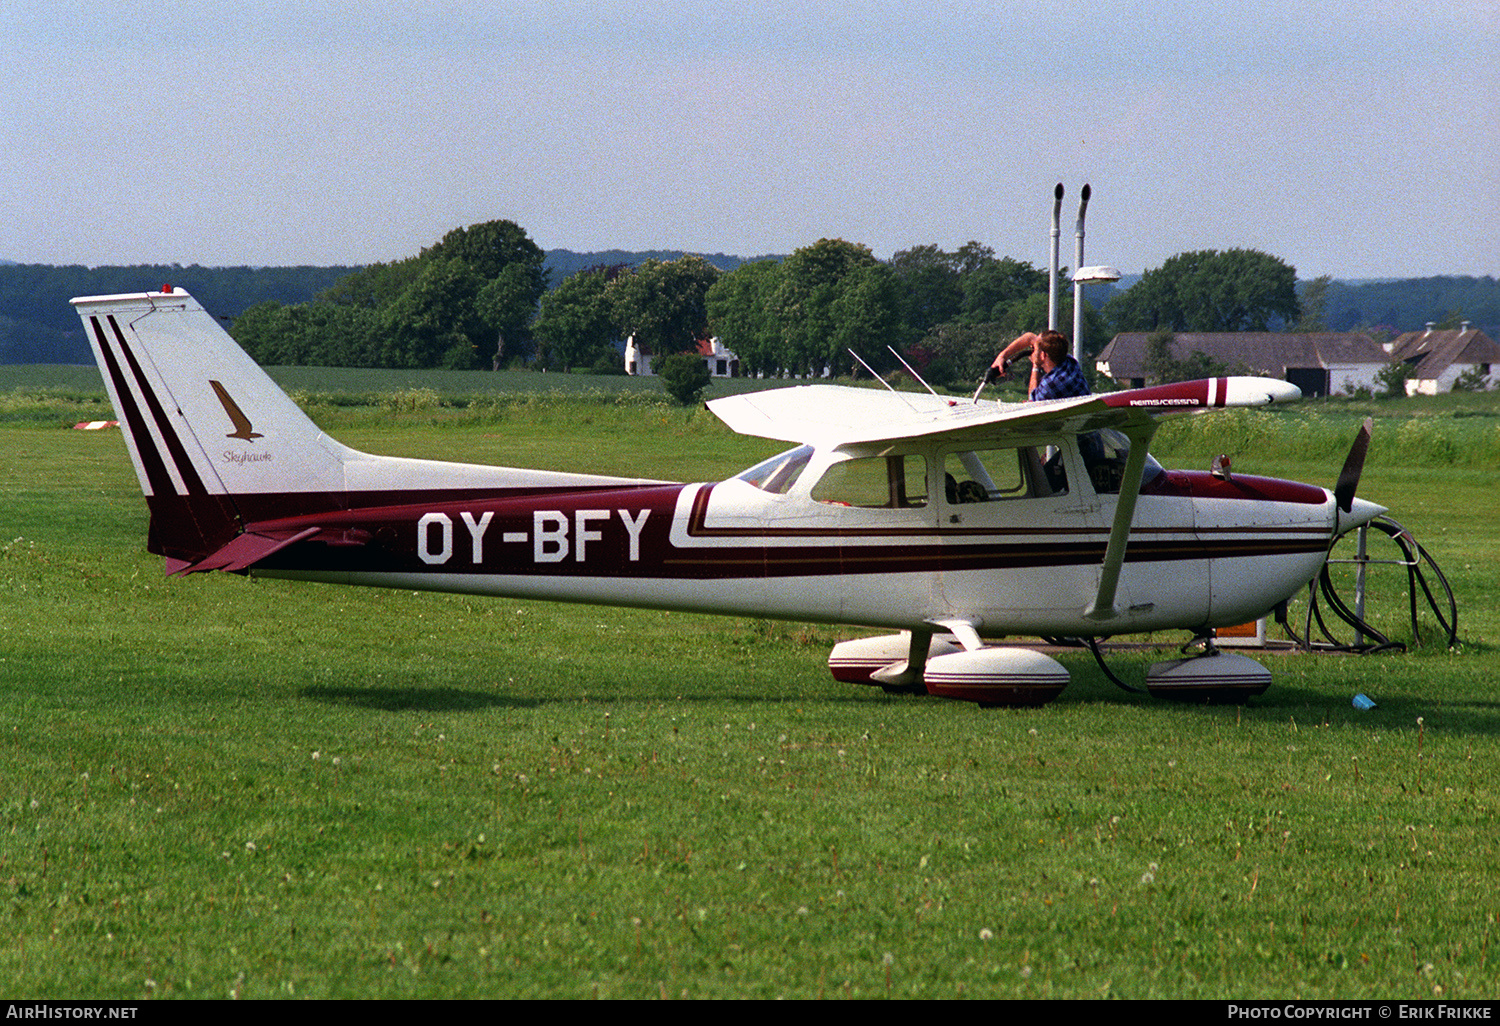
[[947, 521]]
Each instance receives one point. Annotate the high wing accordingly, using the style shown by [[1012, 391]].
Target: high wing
[[853, 418], [847, 417]]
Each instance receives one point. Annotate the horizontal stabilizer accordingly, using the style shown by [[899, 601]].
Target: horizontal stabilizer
[[245, 551]]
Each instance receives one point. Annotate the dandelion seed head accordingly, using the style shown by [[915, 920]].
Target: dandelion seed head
[[986, 934]]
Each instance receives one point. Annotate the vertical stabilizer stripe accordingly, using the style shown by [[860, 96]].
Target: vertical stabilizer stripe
[[156, 473], [169, 437]]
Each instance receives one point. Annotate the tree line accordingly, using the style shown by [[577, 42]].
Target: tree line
[[480, 297], [37, 325], [487, 295]]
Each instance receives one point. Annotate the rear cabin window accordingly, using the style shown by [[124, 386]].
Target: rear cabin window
[[995, 475], [876, 482]]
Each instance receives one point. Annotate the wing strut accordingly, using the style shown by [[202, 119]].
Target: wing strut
[[1103, 606]]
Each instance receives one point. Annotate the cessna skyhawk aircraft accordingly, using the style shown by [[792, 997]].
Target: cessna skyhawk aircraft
[[949, 521]]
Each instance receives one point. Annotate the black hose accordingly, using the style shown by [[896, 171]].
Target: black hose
[[1093, 644], [1414, 556]]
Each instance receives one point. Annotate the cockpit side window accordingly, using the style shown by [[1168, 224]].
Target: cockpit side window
[[875, 482], [780, 472]]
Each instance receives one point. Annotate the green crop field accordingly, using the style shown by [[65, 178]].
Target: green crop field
[[224, 787]]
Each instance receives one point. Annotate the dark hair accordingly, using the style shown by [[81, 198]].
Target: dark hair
[[1055, 345]]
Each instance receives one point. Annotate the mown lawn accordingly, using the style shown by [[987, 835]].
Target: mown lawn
[[219, 787]]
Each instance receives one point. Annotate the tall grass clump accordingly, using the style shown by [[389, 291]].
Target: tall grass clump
[[61, 404], [1241, 432], [1430, 440], [412, 400], [1324, 434]]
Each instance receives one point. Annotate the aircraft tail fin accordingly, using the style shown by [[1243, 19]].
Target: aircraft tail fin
[[224, 455], [209, 432]]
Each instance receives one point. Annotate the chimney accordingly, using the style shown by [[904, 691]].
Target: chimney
[[1464, 330]]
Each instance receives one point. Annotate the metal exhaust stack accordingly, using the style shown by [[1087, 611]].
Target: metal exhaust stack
[[1083, 206], [1057, 198]]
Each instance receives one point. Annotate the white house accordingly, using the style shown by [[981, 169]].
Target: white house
[[1439, 358], [721, 362]]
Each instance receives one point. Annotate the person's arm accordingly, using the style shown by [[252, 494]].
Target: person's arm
[[1017, 348]]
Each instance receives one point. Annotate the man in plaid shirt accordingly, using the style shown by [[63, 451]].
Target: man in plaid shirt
[[1054, 372]]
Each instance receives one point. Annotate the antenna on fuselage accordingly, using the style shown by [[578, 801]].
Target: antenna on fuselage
[[884, 382], [913, 371]]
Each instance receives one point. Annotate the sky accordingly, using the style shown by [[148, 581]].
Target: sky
[[1359, 140]]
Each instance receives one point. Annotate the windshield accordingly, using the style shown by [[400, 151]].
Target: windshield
[[780, 472], [1104, 454]]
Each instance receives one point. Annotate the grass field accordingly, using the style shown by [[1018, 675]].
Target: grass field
[[219, 787]]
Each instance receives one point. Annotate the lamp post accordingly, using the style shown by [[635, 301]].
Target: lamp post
[[1086, 276], [1083, 275]]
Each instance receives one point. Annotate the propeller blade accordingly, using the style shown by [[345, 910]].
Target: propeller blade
[[1354, 465]]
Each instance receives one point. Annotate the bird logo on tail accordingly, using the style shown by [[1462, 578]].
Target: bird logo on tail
[[243, 429]]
